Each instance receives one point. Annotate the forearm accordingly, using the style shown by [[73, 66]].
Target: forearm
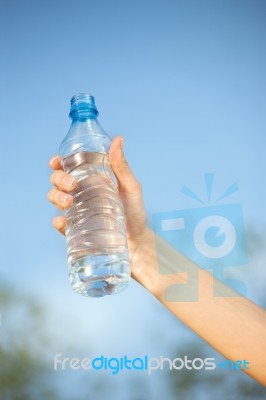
[[232, 324]]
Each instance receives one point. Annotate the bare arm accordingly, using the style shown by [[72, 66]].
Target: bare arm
[[230, 323]]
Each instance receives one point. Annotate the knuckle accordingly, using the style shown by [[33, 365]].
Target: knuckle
[[54, 197], [50, 194], [56, 177], [53, 177]]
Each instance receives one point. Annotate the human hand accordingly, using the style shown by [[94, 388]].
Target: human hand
[[130, 192]]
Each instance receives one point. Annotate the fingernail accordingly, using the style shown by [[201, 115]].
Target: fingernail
[[58, 221], [68, 199], [69, 182], [64, 199], [122, 141]]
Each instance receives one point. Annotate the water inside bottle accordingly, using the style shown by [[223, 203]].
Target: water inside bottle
[[95, 232]]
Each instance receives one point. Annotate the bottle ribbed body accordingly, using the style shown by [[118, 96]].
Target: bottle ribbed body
[[95, 232]]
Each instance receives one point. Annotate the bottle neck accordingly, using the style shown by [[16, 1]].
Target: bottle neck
[[83, 116], [88, 124], [83, 108]]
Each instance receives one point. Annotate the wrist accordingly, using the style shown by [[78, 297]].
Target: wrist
[[143, 262], [157, 265]]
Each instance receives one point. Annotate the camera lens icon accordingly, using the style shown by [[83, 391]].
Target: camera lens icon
[[214, 236]]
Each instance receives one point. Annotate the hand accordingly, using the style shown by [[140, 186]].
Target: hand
[[130, 192]]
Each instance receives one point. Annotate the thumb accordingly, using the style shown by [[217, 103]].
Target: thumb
[[126, 180]]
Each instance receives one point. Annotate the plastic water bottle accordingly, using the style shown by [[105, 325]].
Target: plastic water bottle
[[95, 232]]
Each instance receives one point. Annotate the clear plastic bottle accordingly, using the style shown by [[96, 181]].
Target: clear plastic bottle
[[95, 233]]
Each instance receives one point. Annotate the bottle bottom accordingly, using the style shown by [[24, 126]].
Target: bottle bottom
[[100, 275]]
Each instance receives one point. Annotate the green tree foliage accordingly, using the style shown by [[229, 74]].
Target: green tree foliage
[[23, 367]]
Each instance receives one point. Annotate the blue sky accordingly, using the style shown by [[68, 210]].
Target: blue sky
[[182, 81]]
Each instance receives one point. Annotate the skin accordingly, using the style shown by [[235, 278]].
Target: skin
[[230, 323]]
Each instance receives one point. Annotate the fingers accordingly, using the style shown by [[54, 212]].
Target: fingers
[[63, 181], [60, 199], [125, 177], [60, 224]]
